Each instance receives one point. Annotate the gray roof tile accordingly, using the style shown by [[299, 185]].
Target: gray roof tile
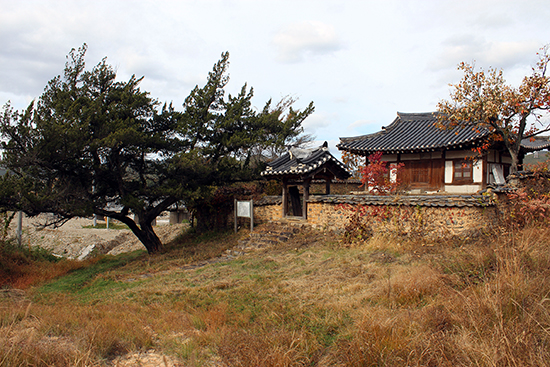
[[304, 161], [412, 132], [537, 143], [417, 132]]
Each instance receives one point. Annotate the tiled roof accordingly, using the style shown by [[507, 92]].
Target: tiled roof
[[459, 201], [303, 161], [417, 132], [412, 132], [538, 143]]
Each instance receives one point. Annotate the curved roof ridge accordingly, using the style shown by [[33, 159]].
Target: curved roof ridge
[[413, 115]]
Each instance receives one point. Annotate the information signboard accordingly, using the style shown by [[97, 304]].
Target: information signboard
[[244, 209]]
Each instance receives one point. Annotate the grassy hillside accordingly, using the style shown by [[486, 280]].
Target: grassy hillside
[[312, 301]]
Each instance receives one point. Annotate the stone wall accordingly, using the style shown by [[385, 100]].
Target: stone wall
[[435, 216], [269, 208]]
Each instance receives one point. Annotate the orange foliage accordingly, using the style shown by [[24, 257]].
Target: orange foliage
[[354, 162], [482, 99]]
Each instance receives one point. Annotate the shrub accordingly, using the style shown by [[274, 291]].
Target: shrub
[[529, 205], [378, 178]]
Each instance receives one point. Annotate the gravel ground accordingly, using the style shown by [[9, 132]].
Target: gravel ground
[[74, 241]]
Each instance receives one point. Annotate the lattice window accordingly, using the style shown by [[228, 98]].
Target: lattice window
[[420, 172], [463, 172]]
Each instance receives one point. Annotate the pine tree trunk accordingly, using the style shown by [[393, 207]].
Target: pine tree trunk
[[149, 238], [145, 234]]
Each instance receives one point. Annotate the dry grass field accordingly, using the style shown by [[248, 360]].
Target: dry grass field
[[312, 301]]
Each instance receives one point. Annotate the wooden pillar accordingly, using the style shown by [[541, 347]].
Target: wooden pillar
[[327, 186], [285, 197], [306, 184]]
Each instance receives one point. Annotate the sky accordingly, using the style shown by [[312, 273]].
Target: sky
[[360, 62]]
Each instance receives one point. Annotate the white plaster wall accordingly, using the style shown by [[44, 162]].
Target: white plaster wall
[[478, 171], [462, 189], [393, 172], [448, 172], [455, 154]]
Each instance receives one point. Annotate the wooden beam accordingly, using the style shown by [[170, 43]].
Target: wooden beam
[[285, 196], [306, 185]]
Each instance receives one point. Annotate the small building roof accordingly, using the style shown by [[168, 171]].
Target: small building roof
[[306, 163], [536, 143], [418, 132]]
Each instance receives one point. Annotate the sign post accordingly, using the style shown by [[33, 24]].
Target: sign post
[[244, 209], [20, 228]]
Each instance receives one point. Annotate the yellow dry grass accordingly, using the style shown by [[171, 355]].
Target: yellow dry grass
[[312, 302]]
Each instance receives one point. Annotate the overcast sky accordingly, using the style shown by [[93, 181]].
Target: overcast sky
[[359, 61]]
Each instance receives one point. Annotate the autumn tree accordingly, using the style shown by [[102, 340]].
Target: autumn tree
[[483, 100], [379, 178], [355, 163], [94, 145]]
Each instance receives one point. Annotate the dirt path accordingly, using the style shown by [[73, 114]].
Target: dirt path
[[77, 240]]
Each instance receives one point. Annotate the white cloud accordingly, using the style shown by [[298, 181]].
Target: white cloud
[[499, 54], [316, 121], [340, 99], [359, 124], [299, 40], [511, 54]]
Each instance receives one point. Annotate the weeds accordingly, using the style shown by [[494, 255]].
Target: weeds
[[385, 302], [22, 267], [112, 225]]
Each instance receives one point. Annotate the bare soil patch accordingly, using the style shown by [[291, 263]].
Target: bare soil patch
[[76, 240]]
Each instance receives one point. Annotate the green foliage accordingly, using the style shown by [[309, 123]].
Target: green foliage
[[84, 280], [94, 145], [213, 212], [11, 252], [5, 220]]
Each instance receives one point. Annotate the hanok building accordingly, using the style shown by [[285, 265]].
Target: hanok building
[[300, 167], [436, 160]]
